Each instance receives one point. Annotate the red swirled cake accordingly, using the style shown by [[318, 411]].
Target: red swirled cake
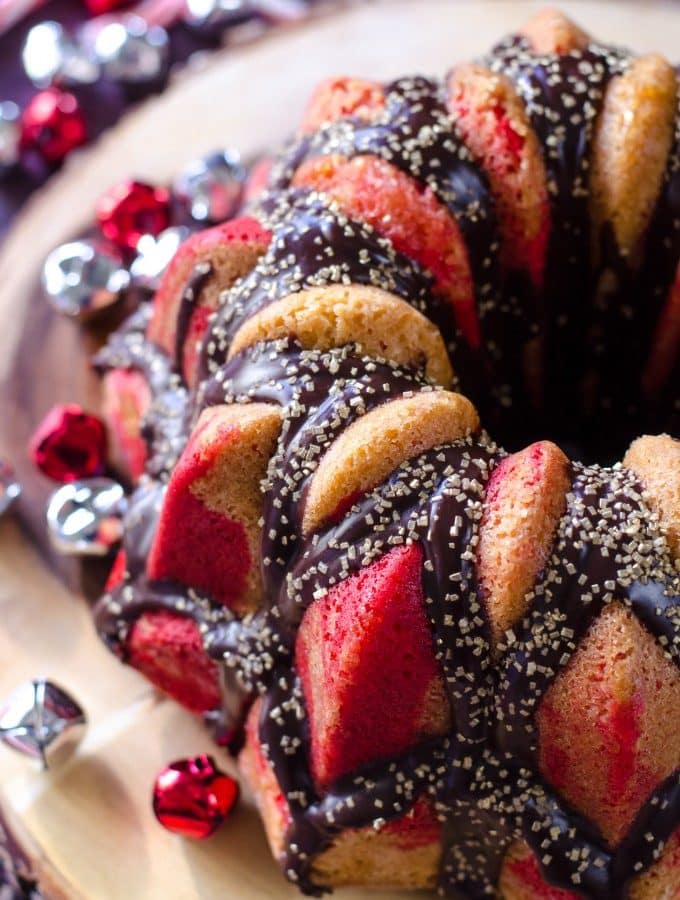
[[442, 664]]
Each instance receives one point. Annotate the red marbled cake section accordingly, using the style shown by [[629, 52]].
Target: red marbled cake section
[[529, 875], [194, 544], [232, 249], [619, 731], [213, 556], [339, 97], [524, 499], [403, 852], [371, 189], [208, 537], [521, 878], [493, 122], [608, 725], [420, 827], [126, 399], [366, 661], [167, 648]]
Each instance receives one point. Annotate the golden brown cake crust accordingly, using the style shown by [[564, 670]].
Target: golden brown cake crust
[[550, 31], [366, 857], [656, 462], [373, 446], [381, 324], [525, 499], [632, 137]]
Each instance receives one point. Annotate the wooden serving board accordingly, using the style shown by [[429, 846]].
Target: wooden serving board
[[89, 826]]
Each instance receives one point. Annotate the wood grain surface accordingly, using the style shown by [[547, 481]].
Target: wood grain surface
[[90, 825]]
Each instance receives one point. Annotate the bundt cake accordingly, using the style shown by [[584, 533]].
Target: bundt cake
[[441, 663]]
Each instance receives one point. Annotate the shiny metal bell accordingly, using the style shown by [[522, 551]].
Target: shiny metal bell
[[211, 188], [10, 134], [41, 720], [82, 277], [84, 517], [9, 487], [132, 50], [154, 254], [216, 14], [50, 55]]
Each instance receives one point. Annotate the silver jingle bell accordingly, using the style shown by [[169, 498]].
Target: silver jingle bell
[[10, 134], [42, 721], [216, 14], [154, 254], [50, 55], [82, 277], [132, 50], [9, 487], [84, 518], [211, 188]]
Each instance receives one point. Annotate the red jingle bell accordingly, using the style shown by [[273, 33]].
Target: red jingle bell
[[131, 209], [192, 797], [52, 124], [69, 444], [98, 7]]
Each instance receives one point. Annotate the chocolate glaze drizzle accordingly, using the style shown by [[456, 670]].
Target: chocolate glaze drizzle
[[164, 423], [198, 279], [436, 501], [415, 133], [417, 136], [661, 268], [563, 96], [600, 556], [483, 778], [624, 327]]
